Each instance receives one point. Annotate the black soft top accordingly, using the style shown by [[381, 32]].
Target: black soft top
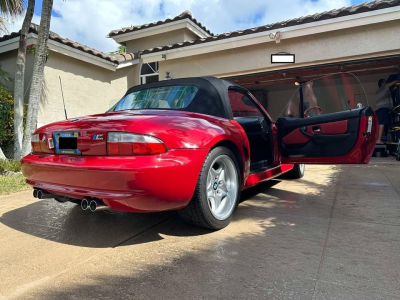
[[211, 98]]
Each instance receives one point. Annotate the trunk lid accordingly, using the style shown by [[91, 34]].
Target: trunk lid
[[90, 132]]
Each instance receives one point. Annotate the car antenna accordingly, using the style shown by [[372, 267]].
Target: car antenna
[[62, 93]]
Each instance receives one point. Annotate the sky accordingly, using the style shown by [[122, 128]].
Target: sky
[[89, 21]]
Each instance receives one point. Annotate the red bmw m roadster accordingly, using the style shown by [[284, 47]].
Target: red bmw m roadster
[[190, 145]]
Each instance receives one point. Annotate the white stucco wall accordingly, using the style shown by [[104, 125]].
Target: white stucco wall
[[88, 89], [8, 63], [353, 43], [167, 38]]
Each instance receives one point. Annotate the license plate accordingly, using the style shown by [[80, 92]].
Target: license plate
[[66, 142]]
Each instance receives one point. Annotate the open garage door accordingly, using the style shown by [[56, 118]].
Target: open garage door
[[273, 89]]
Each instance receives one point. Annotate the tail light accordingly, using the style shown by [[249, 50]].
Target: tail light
[[35, 142], [42, 143], [122, 143]]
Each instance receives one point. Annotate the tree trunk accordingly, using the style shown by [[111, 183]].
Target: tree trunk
[[19, 82], [37, 77]]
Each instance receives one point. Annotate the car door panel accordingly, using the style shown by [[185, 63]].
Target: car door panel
[[342, 137], [299, 136]]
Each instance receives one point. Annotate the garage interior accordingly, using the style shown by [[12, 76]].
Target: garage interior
[[274, 89]]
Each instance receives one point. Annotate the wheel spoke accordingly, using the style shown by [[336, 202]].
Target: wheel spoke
[[223, 203], [213, 174], [211, 203], [210, 181], [223, 193], [223, 188], [221, 176]]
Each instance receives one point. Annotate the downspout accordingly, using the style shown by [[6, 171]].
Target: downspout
[[140, 66]]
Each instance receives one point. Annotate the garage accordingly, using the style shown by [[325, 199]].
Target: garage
[[357, 79]]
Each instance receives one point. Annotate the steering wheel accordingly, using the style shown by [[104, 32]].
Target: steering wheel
[[313, 111]]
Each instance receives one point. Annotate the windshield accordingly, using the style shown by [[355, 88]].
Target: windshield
[[330, 93], [167, 97]]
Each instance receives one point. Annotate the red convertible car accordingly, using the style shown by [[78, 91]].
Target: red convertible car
[[190, 145]]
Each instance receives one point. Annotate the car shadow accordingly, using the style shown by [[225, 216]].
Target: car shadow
[[66, 223]]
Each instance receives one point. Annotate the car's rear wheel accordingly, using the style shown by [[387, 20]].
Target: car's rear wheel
[[217, 192], [297, 172]]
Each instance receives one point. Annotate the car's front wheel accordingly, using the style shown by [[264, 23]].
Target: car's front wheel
[[217, 191]]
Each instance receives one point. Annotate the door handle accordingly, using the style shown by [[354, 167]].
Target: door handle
[[316, 129]]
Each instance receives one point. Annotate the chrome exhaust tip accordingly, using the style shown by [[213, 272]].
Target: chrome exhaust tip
[[39, 194], [84, 204], [96, 205], [44, 195], [35, 191]]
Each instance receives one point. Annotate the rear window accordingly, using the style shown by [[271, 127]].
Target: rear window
[[167, 97]]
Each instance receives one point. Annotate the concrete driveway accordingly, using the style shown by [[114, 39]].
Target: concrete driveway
[[335, 234]]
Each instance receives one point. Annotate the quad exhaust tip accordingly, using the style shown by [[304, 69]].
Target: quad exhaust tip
[[84, 204], [37, 193], [96, 205]]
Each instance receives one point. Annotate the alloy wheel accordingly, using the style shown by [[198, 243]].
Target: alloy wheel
[[222, 187]]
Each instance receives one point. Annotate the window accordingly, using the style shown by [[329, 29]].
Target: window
[[167, 97], [149, 73], [325, 95], [243, 106]]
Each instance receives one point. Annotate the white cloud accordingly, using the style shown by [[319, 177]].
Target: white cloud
[[89, 21]]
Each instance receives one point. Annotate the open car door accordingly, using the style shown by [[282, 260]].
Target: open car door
[[328, 121]]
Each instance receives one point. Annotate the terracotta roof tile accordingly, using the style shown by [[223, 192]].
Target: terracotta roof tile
[[117, 58], [185, 15], [335, 13]]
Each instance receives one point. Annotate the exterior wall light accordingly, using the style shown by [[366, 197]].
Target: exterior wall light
[[276, 36]]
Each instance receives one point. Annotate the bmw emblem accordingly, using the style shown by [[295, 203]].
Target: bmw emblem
[[215, 185]]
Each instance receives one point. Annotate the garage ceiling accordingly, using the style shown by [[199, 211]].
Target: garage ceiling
[[359, 67]]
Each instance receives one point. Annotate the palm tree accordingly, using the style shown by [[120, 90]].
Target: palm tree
[[37, 77], [19, 82], [8, 8]]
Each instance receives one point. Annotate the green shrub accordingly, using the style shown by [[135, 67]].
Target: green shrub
[[7, 118], [10, 165]]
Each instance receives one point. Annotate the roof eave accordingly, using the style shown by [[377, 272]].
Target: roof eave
[[160, 29], [13, 44], [367, 18]]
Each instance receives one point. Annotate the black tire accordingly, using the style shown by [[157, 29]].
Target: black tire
[[296, 173], [198, 212]]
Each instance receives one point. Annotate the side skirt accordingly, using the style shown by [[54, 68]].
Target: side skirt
[[256, 178]]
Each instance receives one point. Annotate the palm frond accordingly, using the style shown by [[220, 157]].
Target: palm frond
[[12, 7], [3, 26], [5, 77]]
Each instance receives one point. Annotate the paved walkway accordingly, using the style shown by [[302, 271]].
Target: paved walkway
[[335, 234]]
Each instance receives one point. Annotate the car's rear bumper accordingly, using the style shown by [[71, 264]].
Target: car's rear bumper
[[125, 183]]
